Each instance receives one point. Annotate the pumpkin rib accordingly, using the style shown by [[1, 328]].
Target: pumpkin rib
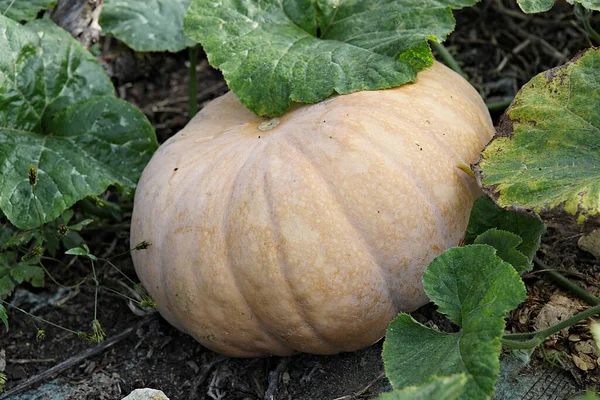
[[277, 234], [351, 222], [425, 194], [170, 216], [343, 211], [214, 169], [165, 217], [230, 262]]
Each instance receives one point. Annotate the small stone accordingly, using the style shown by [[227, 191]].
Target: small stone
[[146, 394], [286, 378], [574, 338]]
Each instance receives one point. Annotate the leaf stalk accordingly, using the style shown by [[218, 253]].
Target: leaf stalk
[[447, 58], [193, 85], [567, 284]]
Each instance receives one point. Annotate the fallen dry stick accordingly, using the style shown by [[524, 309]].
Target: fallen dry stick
[[99, 348]]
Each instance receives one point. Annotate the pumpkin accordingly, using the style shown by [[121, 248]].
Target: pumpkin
[[311, 231]]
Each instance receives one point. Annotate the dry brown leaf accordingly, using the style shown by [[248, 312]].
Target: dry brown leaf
[[583, 361], [585, 347], [558, 309]]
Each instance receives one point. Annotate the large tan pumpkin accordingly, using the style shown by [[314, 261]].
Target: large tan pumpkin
[[311, 232]]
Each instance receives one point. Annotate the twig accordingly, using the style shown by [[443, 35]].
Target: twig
[[274, 378], [73, 360], [204, 374], [29, 361]]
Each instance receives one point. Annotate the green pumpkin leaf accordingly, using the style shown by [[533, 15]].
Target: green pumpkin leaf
[[440, 388], [546, 157], [59, 116], [6, 233], [7, 285], [28, 273], [475, 289], [275, 52], [147, 25], [14, 272], [486, 215], [506, 244], [24, 10], [537, 6]]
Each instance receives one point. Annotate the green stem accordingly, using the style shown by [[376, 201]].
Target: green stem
[[96, 292], [193, 85], [540, 336], [519, 336], [568, 322], [591, 31], [529, 340], [447, 58], [584, 15], [519, 344], [38, 318], [118, 270], [565, 283], [54, 280], [139, 303]]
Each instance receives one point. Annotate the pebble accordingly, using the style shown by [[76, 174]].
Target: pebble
[[146, 394]]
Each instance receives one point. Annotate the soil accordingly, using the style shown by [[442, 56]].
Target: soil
[[498, 47]]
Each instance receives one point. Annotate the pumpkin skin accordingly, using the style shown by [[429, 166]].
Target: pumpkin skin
[[311, 233]]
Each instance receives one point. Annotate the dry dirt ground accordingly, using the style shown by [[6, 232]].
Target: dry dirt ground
[[498, 47]]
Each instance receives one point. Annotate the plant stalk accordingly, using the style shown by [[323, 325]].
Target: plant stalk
[[447, 58], [540, 336], [532, 339], [565, 283], [521, 344], [96, 291], [38, 318], [584, 16], [193, 84], [591, 31]]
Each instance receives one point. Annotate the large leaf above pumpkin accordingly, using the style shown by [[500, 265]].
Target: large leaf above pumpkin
[[24, 10], [546, 157], [147, 25], [58, 114], [275, 52]]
